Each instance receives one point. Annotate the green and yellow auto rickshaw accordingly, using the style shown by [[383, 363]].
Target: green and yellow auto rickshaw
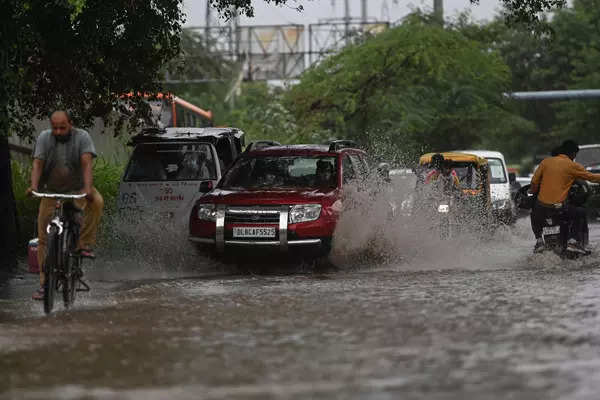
[[468, 204]]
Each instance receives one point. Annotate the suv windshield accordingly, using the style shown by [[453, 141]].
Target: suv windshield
[[171, 162], [589, 156], [496, 170], [282, 171]]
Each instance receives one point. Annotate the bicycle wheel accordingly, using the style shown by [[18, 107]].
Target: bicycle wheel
[[71, 264], [51, 269]]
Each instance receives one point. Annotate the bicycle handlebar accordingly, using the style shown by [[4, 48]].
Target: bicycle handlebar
[[58, 195]]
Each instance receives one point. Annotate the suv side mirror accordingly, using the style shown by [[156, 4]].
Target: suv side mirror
[[206, 186], [512, 177]]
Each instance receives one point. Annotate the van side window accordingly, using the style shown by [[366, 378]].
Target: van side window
[[348, 173], [224, 152]]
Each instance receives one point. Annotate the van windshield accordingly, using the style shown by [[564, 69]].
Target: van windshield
[[589, 156], [282, 172], [171, 162]]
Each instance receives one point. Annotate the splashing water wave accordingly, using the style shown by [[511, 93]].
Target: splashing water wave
[[368, 233]]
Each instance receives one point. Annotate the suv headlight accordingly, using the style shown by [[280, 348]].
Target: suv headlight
[[304, 213], [206, 212]]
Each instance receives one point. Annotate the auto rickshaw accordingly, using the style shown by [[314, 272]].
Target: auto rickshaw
[[468, 205]]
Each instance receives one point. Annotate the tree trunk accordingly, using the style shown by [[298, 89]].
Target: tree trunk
[[8, 212]]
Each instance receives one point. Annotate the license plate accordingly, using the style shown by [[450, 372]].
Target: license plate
[[551, 230], [252, 232], [443, 208]]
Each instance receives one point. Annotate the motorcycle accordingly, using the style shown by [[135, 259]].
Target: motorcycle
[[557, 226]]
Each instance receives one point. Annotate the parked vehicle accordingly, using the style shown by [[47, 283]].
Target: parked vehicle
[[167, 166], [589, 157], [503, 207], [278, 197]]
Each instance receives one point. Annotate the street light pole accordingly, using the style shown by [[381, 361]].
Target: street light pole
[[438, 10]]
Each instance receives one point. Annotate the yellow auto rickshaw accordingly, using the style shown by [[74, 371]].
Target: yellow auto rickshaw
[[472, 201]]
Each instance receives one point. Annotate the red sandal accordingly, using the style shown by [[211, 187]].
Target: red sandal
[[38, 294], [87, 253]]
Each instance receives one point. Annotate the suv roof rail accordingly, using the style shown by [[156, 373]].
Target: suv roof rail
[[336, 145], [261, 144], [153, 131]]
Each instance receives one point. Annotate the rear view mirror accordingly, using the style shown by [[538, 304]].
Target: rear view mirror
[[512, 177], [206, 186]]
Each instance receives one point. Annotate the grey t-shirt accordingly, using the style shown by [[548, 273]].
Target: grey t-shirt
[[62, 161]]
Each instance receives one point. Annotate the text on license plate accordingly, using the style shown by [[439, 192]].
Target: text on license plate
[[551, 230], [252, 232]]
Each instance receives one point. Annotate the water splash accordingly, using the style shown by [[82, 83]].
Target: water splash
[[150, 247], [379, 224]]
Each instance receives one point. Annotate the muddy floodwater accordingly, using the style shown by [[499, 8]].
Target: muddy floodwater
[[465, 322]]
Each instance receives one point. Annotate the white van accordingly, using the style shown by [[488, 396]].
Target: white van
[[165, 170], [503, 207]]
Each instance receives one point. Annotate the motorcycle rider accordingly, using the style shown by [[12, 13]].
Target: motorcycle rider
[[551, 182]]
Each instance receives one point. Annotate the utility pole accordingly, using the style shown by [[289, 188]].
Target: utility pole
[[364, 14], [347, 21], [207, 26], [438, 11]]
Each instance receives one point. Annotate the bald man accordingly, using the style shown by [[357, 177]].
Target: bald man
[[62, 163]]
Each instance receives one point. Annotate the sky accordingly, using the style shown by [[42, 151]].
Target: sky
[[319, 10]]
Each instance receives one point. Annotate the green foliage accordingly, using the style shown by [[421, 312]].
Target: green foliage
[[417, 87], [564, 59], [196, 62], [260, 113], [82, 56], [107, 176], [578, 45], [27, 207]]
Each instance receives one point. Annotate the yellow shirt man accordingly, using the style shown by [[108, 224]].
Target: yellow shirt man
[[554, 177]]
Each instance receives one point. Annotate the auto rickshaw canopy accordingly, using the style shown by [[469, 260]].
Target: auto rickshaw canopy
[[469, 185], [455, 157]]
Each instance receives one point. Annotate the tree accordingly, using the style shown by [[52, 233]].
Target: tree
[[563, 58], [416, 87], [80, 55], [577, 47]]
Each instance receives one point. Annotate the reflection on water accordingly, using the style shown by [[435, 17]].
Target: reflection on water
[[427, 319], [375, 333]]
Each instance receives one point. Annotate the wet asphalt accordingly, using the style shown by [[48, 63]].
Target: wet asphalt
[[476, 321]]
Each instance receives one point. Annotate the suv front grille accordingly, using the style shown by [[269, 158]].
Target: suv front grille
[[252, 215]]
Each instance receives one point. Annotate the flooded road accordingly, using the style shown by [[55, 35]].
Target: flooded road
[[510, 325]]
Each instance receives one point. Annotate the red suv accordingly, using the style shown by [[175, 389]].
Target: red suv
[[279, 197]]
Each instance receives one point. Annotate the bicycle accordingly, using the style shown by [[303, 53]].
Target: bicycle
[[62, 265]]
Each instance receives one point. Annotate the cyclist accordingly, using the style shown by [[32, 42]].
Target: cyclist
[[62, 163]]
